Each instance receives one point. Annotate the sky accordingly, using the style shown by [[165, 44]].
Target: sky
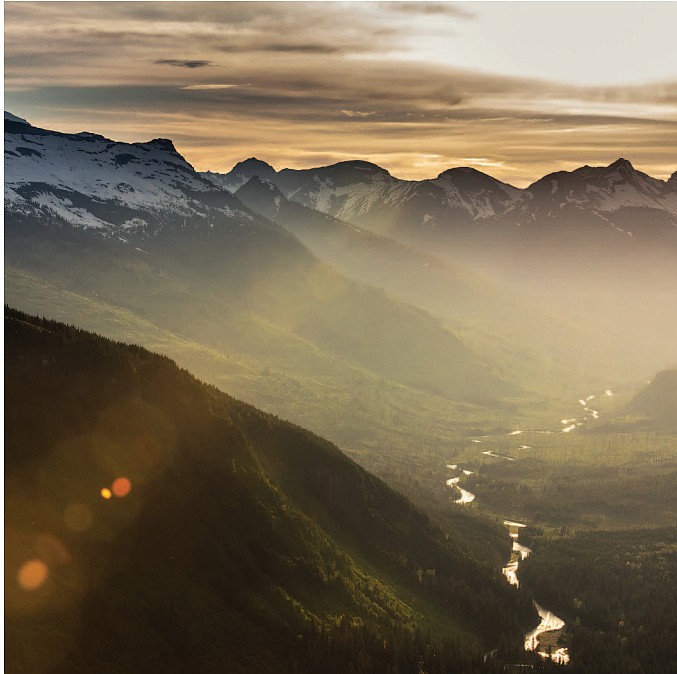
[[515, 89]]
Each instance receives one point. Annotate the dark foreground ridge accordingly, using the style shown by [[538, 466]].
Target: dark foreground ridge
[[156, 524]]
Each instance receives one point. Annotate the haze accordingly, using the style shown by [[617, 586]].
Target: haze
[[513, 89], [296, 381]]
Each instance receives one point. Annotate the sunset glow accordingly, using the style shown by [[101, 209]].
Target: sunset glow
[[414, 87], [304, 299]]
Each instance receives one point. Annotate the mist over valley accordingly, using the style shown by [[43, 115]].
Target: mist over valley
[[340, 338]]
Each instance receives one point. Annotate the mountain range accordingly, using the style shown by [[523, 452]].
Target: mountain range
[[323, 296], [44, 167], [157, 523], [142, 205], [462, 200]]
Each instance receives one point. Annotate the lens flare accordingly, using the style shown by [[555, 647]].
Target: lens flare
[[106, 493], [32, 574], [121, 487]]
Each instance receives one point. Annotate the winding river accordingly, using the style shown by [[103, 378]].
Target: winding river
[[465, 495], [549, 621]]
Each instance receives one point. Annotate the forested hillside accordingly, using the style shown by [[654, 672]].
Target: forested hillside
[[153, 520], [617, 591]]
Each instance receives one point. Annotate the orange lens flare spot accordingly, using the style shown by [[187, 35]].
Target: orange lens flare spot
[[121, 487], [32, 574], [106, 493]]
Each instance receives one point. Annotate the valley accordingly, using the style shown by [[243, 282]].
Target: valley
[[488, 379], [551, 638], [546, 638]]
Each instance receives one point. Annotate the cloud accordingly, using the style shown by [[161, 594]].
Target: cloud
[[305, 80], [356, 113], [300, 47], [183, 63], [212, 87], [434, 8]]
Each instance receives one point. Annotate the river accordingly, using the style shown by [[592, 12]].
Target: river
[[465, 495], [550, 623]]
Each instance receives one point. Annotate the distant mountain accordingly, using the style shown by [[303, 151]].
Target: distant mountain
[[607, 204], [155, 523], [657, 401], [462, 204], [88, 181], [135, 225], [604, 189], [241, 173], [365, 194]]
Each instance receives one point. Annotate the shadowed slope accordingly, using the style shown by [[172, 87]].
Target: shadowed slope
[[240, 532]]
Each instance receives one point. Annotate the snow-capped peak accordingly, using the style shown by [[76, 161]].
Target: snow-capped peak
[[621, 164], [602, 189], [9, 117], [91, 181]]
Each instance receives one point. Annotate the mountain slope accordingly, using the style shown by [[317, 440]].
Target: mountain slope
[[532, 344], [192, 257], [242, 540], [657, 401], [367, 195], [89, 181], [464, 208]]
